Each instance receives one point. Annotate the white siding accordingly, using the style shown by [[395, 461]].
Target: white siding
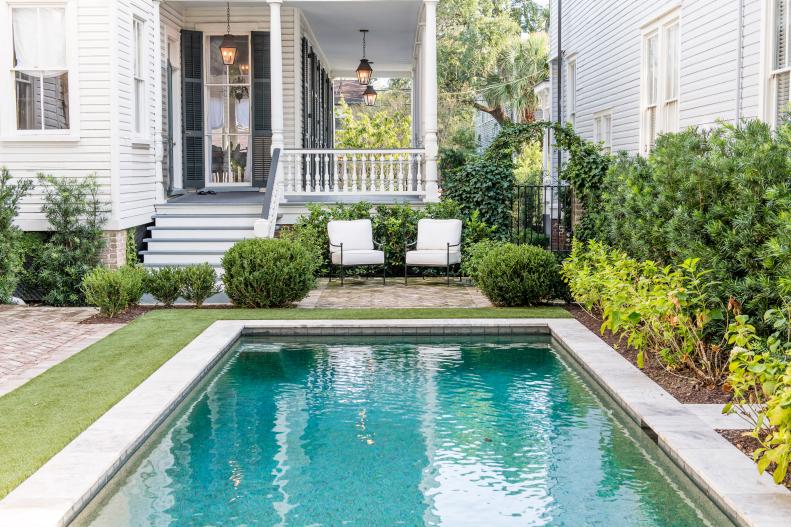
[[605, 37], [89, 152]]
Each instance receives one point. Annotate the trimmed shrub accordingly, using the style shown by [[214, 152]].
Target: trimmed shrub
[[164, 284], [268, 273], [471, 263], [113, 290], [74, 211], [517, 275], [11, 256], [198, 282]]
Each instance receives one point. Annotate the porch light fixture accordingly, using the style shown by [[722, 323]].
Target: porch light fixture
[[228, 46], [369, 95], [364, 70]]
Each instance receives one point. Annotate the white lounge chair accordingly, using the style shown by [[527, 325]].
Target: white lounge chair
[[438, 244], [352, 244]]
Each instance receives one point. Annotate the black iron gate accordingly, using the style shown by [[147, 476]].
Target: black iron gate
[[542, 216]]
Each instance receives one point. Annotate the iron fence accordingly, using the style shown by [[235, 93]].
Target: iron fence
[[542, 216]]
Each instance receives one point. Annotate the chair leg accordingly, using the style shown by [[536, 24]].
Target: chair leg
[[447, 274], [384, 274], [405, 270], [342, 273]]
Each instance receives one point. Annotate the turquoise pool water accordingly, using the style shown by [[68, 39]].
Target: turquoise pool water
[[398, 433]]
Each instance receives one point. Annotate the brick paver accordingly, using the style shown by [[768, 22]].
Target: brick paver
[[369, 292], [33, 339]]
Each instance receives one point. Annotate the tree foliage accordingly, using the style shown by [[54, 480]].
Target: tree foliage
[[11, 257], [379, 129]]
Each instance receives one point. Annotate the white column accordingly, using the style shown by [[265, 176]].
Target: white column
[[429, 103], [159, 152], [276, 68]]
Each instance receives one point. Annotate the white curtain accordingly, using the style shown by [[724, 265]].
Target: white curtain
[[243, 114], [40, 39], [216, 111]]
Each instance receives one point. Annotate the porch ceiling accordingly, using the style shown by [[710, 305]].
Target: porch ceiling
[[392, 26]]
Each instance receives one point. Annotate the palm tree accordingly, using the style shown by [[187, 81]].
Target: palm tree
[[519, 68]]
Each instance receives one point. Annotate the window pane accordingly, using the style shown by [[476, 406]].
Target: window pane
[[52, 25], [239, 73], [140, 110], [239, 109], [219, 159], [240, 172], [781, 34], [25, 29], [28, 102], [783, 96], [671, 69], [652, 67], [56, 102], [607, 127], [218, 109]]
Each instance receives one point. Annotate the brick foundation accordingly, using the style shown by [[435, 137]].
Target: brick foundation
[[114, 253]]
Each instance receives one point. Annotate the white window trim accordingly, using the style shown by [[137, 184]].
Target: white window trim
[[140, 138], [658, 26], [606, 142], [8, 130], [571, 91], [767, 87]]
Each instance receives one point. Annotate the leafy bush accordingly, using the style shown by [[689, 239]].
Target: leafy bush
[[113, 290], [74, 212], [268, 273], [11, 257], [394, 225], [760, 379], [198, 282], [517, 275], [471, 263], [667, 312], [723, 196], [164, 284], [485, 186]]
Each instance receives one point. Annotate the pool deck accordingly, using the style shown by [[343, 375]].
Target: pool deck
[[56, 493]]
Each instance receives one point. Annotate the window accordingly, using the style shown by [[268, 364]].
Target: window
[[602, 129], [659, 91], [780, 77], [138, 76], [571, 90], [41, 76]]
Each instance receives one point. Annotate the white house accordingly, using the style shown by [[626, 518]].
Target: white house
[[137, 93], [635, 68]]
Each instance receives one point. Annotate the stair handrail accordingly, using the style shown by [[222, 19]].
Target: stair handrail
[[265, 227]]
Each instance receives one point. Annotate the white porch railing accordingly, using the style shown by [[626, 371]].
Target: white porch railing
[[323, 171]]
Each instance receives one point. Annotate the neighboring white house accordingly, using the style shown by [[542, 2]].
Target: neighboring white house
[[135, 92], [635, 68]]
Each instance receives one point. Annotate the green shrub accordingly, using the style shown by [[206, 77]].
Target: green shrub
[[760, 379], [268, 273], [393, 225], [198, 282], [517, 275], [471, 263], [486, 186], [665, 312], [113, 290], [11, 256], [164, 284], [74, 212]]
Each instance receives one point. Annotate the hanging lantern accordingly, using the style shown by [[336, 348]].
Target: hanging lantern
[[364, 70], [228, 45], [369, 95]]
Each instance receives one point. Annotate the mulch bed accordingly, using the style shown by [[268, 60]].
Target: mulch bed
[[748, 445], [132, 313], [682, 385]]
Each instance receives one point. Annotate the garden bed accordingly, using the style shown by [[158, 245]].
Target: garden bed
[[680, 385], [748, 445]]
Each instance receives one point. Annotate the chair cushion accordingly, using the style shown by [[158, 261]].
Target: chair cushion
[[353, 234], [358, 257], [435, 235], [432, 258]]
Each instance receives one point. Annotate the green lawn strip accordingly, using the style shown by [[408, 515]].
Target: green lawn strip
[[41, 417]]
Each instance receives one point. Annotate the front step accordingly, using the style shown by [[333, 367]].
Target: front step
[[210, 208], [206, 220], [208, 233], [190, 244], [162, 258]]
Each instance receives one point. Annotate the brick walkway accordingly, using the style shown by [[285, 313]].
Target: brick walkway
[[33, 339], [361, 293]]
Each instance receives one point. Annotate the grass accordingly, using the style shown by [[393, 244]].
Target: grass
[[41, 417]]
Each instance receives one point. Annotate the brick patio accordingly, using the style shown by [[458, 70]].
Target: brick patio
[[369, 292], [33, 339]]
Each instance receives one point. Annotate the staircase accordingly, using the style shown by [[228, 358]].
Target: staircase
[[194, 229]]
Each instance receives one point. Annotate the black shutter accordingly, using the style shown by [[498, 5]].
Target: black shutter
[[262, 108], [192, 107], [305, 109]]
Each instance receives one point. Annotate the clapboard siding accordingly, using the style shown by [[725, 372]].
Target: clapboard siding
[[605, 39], [89, 152]]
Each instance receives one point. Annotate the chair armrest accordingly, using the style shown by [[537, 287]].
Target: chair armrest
[[454, 245], [408, 244], [337, 245]]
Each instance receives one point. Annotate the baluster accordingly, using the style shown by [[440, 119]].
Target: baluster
[[409, 172], [326, 179], [375, 177], [399, 173], [288, 160], [336, 177], [364, 174], [382, 173], [419, 184], [314, 171], [372, 169], [391, 184], [354, 172], [344, 173]]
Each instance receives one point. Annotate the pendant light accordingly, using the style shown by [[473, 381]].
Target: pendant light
[[228, 45], [369, 95], [364, 70]]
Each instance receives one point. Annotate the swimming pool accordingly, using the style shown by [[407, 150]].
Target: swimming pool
[[398, 431]]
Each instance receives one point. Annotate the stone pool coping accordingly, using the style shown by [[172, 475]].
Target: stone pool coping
[[60, 489]]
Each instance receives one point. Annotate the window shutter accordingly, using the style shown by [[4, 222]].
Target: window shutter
[[192, 108], [262, 108], [305, 109], [782, 80]]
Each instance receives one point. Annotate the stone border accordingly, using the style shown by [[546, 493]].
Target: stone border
[[57, 492]]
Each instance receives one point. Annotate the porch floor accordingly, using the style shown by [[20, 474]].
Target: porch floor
[[221, 197]]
